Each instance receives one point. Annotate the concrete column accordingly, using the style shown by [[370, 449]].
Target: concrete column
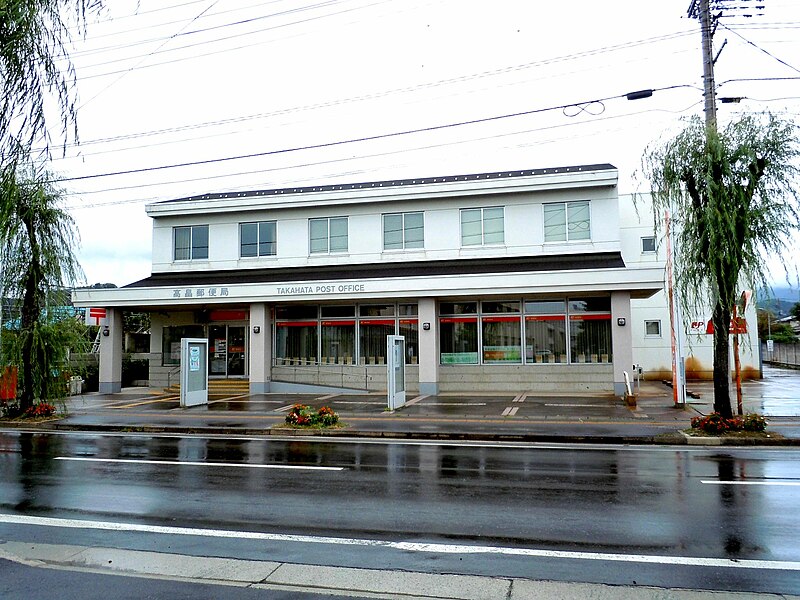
[[428, 347], [621, 339], [110, 376], [260, 348]]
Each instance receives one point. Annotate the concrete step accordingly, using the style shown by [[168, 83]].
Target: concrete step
[[218, 387]]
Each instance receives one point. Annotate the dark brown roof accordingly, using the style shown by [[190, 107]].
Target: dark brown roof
[[471, 266]]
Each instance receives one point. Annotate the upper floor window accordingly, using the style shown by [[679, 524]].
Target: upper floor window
[[567, 221], [190, 243], [403, 231], [258, 239], [328, 235], [482, 226], [649, 244]]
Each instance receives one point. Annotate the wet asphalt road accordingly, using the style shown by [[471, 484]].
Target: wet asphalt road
[[660, 502]]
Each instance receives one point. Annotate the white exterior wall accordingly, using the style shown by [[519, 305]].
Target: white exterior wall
[[653, 353], [523, 218]]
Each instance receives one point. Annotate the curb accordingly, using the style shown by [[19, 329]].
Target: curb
[[675, 438]]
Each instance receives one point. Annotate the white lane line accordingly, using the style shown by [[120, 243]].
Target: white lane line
[[517, 398], [510, 411], [284, 408], [762, 482], [328, 397], [695, 561], [577, 405], [417, 399], [196, 464]]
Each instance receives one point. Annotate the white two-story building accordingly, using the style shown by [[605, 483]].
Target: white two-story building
[[520, 280]]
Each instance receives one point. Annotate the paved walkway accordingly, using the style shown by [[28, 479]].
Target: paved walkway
[[480, 416]]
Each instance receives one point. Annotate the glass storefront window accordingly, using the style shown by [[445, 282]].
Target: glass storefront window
[[376, 310], [590, 338], [581, 305], [338, 342], [409, 328], [546, 338], [501, 340], [458, 340], [458, 308], [171, 341], [509, 306], [296, 342], [372, 341], [545, 307], [296, 311], [332, 312], [410, 310]]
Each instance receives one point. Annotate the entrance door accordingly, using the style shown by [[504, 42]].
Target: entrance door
[[226, 349], [236, 351], [218, 350]]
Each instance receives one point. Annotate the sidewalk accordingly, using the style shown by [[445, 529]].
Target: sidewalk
[[479, 416]]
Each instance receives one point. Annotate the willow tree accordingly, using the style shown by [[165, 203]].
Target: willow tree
[[37, 252], [732, 194], [35, 67]]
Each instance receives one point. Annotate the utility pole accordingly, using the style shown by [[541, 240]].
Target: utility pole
[[709, 88]]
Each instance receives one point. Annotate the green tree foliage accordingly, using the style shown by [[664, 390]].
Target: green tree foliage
[[731, 192], [796, 311], [37, 252], [783, 332], [34, 66]]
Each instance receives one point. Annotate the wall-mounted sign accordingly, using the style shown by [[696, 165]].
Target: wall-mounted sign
[[320, 288]]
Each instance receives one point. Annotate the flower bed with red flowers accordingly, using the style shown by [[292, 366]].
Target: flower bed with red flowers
[[716, 424], [42, 409], [302, 415]]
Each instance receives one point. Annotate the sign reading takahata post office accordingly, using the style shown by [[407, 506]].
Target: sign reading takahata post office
[[295, 289]]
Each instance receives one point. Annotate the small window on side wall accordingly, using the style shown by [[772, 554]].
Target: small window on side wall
[[652, 328], [648, 244]]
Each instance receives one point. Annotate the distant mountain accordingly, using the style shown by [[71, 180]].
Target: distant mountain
[[779, 300]]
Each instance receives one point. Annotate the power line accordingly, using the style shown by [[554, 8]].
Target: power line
[[360, 139], [757, 47]]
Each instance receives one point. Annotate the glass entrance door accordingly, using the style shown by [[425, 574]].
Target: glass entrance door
[[218, 350], [236, 351], [226, 349]]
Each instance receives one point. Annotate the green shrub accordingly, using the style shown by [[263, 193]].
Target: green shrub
[[754, 422]]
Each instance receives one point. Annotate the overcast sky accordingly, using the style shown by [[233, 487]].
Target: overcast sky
[[167, 82]]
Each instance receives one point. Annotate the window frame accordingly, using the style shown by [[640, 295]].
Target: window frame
[[482, 211], [403, 229], [259, 241], [192, 249], [327, 221], [653, 239], [565, 206], [652, 335]]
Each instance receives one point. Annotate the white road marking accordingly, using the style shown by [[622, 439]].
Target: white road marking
[[577, 405], [182, 463], [760, 482], [417, 399], [510, 411], [518, 398], [694, 561]]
